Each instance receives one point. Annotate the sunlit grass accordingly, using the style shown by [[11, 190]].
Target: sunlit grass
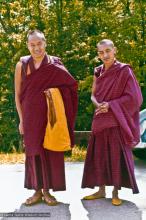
[[78, 154], [12, 158]]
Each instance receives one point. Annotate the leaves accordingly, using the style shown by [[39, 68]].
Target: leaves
[[72, 30]]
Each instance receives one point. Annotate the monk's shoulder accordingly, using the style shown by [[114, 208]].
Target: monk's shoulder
[[18, 73], [56, 60], [126, 70], [24, 59], [19, 64], [18, 67], [97, 70]]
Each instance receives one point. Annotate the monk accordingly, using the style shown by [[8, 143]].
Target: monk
[[34, 75], [115, 126]]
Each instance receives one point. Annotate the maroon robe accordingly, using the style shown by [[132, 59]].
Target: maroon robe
[[45, 168], [109, 157]]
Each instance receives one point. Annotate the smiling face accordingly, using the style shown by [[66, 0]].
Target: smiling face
[[36, 45], [106, 52]]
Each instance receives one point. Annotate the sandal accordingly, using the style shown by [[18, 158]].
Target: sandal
[[115, 199], [36, 198], [49, 199], [97, 195]]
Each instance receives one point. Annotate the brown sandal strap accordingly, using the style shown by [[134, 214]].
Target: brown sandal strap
[[37, 197]]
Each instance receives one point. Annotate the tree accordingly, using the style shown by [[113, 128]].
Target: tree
[[72, 29]]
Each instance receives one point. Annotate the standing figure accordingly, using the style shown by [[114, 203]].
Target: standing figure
[[35, 76], [115, 126]]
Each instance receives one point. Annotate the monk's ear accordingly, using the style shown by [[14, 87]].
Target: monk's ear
[[115, 50], [98, 59], [45, 44]]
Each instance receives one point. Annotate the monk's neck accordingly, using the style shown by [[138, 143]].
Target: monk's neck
[[107, 66], [38, 60]]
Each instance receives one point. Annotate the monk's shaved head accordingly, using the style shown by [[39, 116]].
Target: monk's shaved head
[[36, 44], [105, 41], [35, 33], [106, 52]]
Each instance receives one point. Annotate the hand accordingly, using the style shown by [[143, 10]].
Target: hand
[[102, 108], [47, 93], [21, 130]]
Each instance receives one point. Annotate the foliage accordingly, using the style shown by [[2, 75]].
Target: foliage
[[72, 29]]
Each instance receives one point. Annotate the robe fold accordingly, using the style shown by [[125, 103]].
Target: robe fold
[[118, 86], [34, 106], [44, 169], [115, 131], [54, 139]]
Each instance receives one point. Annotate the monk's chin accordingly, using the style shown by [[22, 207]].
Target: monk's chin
[[38, 55], [108, 61]]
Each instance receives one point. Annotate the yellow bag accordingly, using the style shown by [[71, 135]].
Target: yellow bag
[[57, 135]]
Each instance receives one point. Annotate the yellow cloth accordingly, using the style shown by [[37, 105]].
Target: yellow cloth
[[57, 135]]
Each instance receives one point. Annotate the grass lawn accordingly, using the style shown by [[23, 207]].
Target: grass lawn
[[78, 154]]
